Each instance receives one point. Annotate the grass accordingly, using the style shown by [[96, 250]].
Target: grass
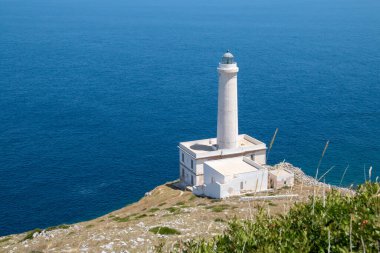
[[335, 223], [90, 226], [193, 197], [219, 220], [174, 210], [164, 231], [124, 219], [270, 203], [30, 234], [63, 226], [162, 204], [180, 203], [5, 239], [218, 208], [154, 209], [135, 216]]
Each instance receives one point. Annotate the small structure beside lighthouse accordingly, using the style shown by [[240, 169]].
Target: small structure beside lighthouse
[[230, 164]]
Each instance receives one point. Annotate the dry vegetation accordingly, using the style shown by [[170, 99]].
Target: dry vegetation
[[166, 216]]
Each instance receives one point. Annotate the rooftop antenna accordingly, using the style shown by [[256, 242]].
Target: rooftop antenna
[[271, 143]]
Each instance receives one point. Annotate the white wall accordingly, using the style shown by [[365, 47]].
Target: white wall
[[281, 180], [187, 159], [259, 156], [252, 182], [227, 131], [196, 171], [210, 173], [199, 169]]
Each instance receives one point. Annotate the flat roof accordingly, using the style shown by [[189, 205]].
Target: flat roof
[[231, 166], [280, 172], [207, 147]]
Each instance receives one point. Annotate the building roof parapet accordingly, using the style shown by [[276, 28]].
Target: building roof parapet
[[205, 148]]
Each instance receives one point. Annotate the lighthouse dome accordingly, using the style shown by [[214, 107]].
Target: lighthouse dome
[[228, 58]]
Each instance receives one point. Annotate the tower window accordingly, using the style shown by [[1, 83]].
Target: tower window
[[192, 164], [183, 157]]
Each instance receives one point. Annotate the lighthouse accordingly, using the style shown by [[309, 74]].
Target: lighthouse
[[207, 165], [227, 132]]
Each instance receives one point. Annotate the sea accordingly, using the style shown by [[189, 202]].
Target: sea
[[95, 95]]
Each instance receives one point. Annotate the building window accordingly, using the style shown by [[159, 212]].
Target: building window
[[285, 182], [241, 185], [183, 173], [183, 158], [192, 180], [192, 164], [212, 180], [253, 157]]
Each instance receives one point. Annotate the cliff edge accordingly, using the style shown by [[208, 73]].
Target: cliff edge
[[166, 215]]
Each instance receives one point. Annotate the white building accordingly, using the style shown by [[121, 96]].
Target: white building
[[193, 155], [216, 166], [280, 178], [232, 176]]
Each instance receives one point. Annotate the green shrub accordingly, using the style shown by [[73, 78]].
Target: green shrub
[[119, 219], [174, 210], [30, 234], [218, 208], [154, 209], [164, 231], [63, 226], [340, 223]]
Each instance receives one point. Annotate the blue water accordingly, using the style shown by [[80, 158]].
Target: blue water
[[95, 95]]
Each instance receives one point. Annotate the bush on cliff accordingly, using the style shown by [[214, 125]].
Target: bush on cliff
[[338, 223]]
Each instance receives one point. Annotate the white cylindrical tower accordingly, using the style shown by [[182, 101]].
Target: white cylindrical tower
[[227, 135]]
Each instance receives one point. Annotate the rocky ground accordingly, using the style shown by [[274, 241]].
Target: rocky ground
[[133, 228]]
